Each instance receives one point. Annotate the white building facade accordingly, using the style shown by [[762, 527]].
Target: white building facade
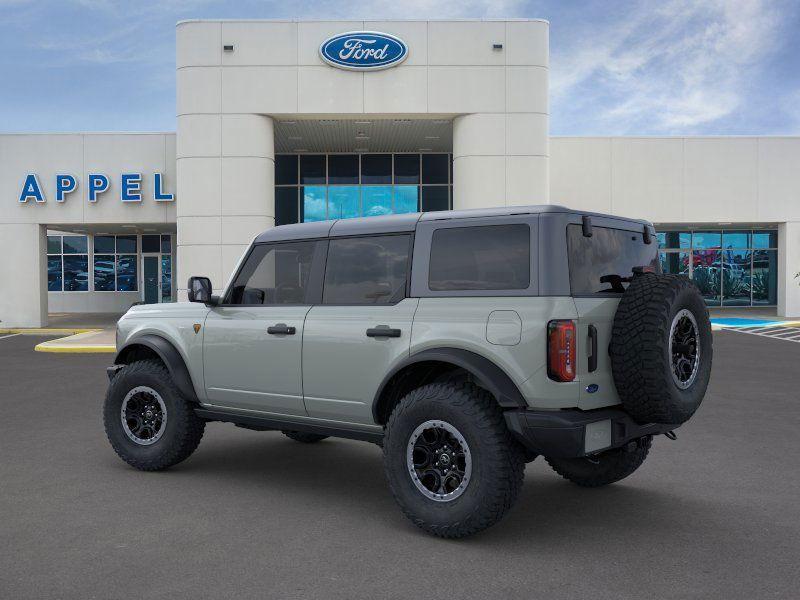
[[287, 121]]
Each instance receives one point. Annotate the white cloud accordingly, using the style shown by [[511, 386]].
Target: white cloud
[[669, 66]]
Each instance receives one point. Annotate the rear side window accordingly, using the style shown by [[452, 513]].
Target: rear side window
[[366, 270], [490, 257], [274, 274], [604, 263]]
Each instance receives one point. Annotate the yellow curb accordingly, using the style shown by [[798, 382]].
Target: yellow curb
[[98, 349], [46, 331]]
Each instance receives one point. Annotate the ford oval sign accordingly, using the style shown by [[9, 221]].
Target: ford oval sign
[[363, 50]]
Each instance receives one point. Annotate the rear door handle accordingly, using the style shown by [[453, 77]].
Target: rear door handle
[[281, 329], [593, 344], [383, 331]]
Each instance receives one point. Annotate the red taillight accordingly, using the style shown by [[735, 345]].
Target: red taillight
[[561, 350]]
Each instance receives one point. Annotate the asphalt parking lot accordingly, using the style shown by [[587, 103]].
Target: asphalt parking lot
[[715, 514]]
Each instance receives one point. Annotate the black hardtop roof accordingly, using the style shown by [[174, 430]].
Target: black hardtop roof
[[408, 222]]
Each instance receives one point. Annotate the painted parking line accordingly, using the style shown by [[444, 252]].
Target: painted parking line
[[789, 334], [2, 337]]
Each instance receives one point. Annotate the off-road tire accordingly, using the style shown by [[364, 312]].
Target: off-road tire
[[602, 469], [641, 358], [301, 436], [498, 465], [183, 430]]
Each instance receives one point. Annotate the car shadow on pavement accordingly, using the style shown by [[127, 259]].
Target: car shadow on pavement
[[550, 514]]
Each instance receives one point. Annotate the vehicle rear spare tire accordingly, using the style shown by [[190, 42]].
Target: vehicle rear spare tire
[[661, 348]]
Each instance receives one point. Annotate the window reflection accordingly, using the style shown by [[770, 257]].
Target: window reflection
[[343, 202], [353, 185], [314, 203], [54, 278], [731, 267], [676, 263], [166, 278], [126, 274], [76, 273], [736, 278], [406, 198], [377, 200], [104, 272], [765, 277]]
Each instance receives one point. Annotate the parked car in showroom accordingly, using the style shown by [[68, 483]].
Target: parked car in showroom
[[465, 343]]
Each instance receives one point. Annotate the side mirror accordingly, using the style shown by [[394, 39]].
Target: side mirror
[[200, 290]]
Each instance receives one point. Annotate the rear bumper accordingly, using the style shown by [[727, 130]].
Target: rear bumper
[[574, 433]]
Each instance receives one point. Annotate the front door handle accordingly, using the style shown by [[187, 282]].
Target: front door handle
[[281, 329], [383, 331]]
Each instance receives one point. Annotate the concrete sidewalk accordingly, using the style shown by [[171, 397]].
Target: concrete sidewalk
[[100, 341], [83, 333]]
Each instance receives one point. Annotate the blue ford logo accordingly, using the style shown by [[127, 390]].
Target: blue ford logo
[[363, 50]]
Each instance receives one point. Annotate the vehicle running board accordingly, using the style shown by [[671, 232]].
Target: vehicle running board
[[260, 423]]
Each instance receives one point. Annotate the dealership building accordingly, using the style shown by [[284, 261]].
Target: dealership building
[[290, 121]]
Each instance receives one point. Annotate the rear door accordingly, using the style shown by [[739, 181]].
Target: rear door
[[252, 345], [600, 268], [362, 327]]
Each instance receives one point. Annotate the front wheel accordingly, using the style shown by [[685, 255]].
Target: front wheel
[[604, 468], [150, 425], [451, 463]]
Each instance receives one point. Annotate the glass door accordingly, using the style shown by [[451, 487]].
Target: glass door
[[151, 278], [156, 268]]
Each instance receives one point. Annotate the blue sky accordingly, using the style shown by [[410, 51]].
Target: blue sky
[[670, 67]]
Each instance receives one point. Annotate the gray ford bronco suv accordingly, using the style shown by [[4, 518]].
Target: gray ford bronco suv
[[465, 343]]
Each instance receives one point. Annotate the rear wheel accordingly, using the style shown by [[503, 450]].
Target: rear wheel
[[604, 468], [301, 436], [150, 425], [451, 463]]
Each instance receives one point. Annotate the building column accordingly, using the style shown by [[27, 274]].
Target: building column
[[226, 185], [788, 266], [23, 268], [500, 160]]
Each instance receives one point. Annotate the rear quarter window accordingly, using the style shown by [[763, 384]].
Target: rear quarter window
[[489, 257], [604, 262]]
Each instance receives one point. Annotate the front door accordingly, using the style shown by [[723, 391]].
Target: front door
[[360, 330], [252, 345], [150, 265]]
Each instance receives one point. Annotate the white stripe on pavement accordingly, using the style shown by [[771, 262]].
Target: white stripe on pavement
[[2, 337]]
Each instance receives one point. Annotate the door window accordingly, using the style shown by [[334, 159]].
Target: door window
[[366, 270], [274, 274]]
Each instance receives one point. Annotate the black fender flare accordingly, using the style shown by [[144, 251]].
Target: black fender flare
[[493, 378], [169, 355]]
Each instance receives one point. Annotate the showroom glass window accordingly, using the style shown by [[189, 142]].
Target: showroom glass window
[[732, 267], [115, 264], [67, 263], [316, 187]]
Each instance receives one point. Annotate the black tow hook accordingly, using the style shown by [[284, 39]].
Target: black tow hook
[[671, 435]]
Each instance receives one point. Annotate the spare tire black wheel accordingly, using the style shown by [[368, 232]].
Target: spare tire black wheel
[[661, 348]]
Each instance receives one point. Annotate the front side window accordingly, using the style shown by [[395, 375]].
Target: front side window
[[274, 274], [490, 257], [366, 270], [604, 262]]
